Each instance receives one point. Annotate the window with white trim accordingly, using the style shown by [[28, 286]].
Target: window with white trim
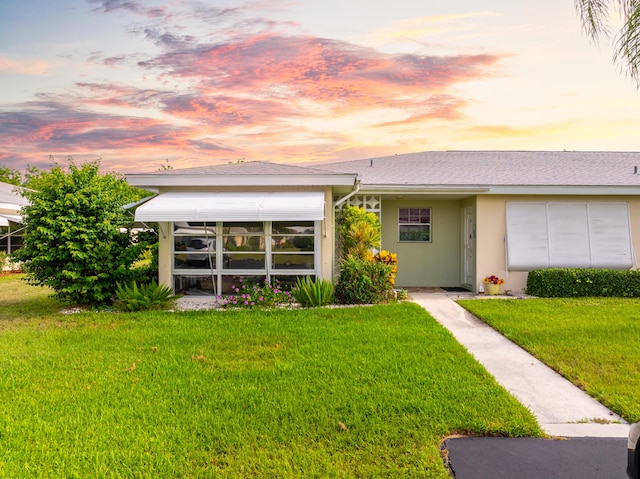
[[414, 224]]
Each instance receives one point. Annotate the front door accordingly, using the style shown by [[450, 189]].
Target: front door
[[469, 246]]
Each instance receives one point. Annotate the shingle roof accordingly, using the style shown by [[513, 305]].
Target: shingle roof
[[246, 168], [493, 168]]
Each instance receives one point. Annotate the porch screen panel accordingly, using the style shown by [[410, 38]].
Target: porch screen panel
[[577, 235], [527, 236]]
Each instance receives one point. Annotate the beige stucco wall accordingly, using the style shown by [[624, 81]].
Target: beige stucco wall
[[164, 254], [491, 234], [437, 263], [327, 237]]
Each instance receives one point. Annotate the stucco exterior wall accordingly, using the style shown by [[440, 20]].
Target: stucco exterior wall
[[327, 237], [491, 234], [164, 254], [437, 263]]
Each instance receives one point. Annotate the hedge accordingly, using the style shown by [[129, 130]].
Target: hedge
[[583, 282]]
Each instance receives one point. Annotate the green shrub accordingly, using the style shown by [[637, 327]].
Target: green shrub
[[402, 294], [364, 282], [145, 297], [77, 239], [312, 293], [358, 232], [583, 282], [3, 259]]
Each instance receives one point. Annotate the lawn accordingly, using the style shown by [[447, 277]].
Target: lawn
[[593, 342], [352, 392]]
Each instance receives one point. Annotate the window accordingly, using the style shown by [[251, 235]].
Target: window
[[11, 237], [243, 246], [194, 246], [293, 245], [414, 224]]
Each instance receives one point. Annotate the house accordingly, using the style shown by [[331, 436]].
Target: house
[[10, 228], [452, 217]]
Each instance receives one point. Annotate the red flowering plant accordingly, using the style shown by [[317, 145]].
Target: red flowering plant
[[493, 279]]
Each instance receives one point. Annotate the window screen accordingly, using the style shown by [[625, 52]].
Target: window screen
[[568, 235]]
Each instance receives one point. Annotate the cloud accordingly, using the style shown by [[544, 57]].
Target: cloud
[[344, 75], [429, 26], [127, 6], [98, 57], [23, 67], [249, 88]]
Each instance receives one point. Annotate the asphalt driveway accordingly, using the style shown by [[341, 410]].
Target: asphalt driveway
[[530, 458]]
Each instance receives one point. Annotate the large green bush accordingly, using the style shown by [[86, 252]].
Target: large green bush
[[77, 239], [578, 282], [364, 282]]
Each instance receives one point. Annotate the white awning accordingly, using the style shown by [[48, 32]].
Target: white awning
[[233, 206], [5, 219]]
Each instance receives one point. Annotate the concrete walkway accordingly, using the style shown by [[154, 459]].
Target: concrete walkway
[[561, 408]]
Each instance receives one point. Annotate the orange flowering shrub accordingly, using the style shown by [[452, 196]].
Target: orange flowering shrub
[[391, 259]]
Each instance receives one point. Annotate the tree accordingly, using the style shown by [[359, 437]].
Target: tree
[[77, 238], [9, 175], [595, 14]]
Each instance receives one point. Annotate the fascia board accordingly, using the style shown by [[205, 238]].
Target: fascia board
[[10, 206], [503, 190], [413, 189], [241, 180], [566, 190]]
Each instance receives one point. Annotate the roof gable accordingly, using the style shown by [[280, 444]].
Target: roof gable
[[247, 168], [244, 174]]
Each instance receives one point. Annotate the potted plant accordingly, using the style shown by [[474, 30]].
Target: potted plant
[[492, 284]]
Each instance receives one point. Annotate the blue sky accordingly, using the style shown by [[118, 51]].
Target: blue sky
[[136, 83]]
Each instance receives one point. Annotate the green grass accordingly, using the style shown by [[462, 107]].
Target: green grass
[[593, 342], [20, 301], [354, 392]]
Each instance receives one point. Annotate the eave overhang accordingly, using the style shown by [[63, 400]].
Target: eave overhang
[[168, 180], [596, 190]]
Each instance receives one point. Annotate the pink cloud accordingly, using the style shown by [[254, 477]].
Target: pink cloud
[[246, 94], [344, 76]]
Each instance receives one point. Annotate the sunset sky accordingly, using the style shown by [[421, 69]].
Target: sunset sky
[[136, 83]]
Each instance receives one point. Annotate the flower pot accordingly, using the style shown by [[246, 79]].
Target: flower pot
[[492, 289]]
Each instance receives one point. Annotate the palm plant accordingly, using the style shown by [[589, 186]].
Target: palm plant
[[595, 14]]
